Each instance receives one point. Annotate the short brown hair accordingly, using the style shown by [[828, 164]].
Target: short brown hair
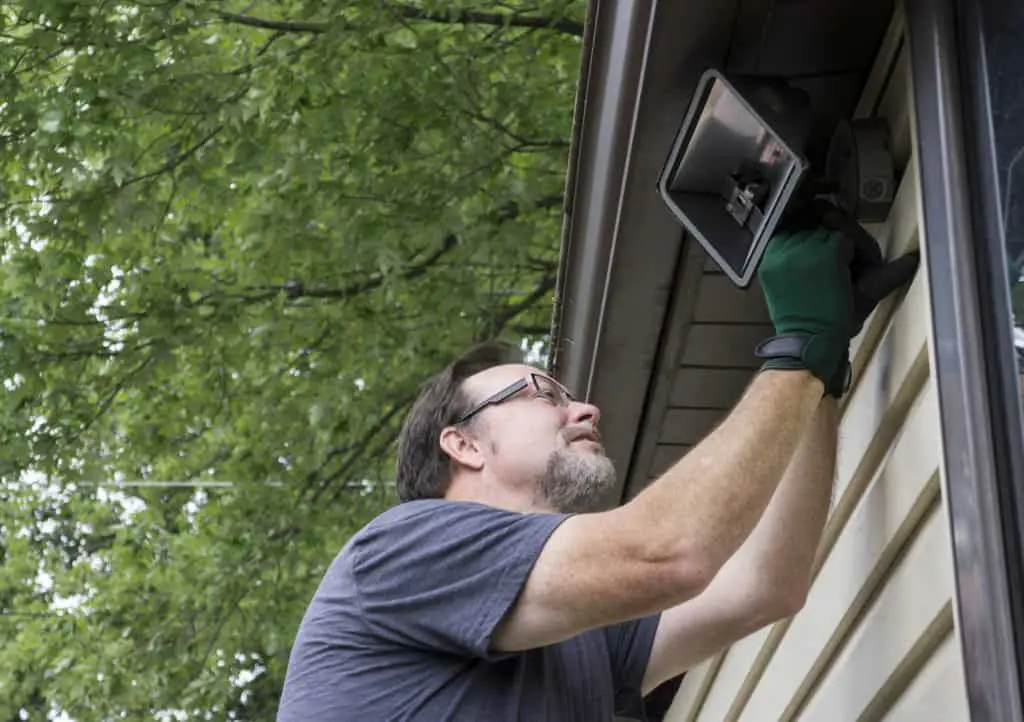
[[423, 466]]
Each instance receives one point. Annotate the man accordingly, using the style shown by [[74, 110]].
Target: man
[[496, 592]]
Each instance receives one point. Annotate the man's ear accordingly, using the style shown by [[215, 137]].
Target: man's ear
[[462, 448]]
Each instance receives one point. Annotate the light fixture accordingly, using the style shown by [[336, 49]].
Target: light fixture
[[861, 165], [736, 162]]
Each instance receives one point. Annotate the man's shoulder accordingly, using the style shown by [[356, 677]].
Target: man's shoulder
[[428, 512], [417, 532], [406, 510]]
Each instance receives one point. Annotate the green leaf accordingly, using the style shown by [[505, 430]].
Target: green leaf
[[50, 121], [229, 254]]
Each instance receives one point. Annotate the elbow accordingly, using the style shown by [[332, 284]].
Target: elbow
[[782, 602], [764, 609], [767, 603], [789, 603], [693, 572], [789, 595]]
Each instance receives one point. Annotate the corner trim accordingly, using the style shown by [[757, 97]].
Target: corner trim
[[954, 240]]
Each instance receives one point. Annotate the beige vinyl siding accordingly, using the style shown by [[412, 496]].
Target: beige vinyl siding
[[937, 692], [875, 640]]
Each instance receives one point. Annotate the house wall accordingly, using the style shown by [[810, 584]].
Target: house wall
[[875, 640]]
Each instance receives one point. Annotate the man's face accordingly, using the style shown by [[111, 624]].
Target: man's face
[[540, 441]]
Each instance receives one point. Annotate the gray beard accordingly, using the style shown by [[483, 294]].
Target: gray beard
[[575, 483]]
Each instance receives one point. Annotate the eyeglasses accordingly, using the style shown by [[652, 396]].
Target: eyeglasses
[[542, 387]]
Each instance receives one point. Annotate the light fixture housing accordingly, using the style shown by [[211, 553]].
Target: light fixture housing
[[860, 162], [737, 160]]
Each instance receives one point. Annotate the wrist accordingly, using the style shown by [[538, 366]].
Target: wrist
[[819, 353], [800, 381]]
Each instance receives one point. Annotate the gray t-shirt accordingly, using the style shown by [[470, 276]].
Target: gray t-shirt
[[401, 624]]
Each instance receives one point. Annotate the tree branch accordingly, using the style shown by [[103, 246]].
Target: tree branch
[[411, 12], [286, 26], [472, 17], [356, 452], [527, 330], [95, 350], [295, 290], [522, 143], [379, 450], [177, 160], [499, 320], [511, 211], [109, 399]]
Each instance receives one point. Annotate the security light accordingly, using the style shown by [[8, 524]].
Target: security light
[[860, 163], [736, 162]]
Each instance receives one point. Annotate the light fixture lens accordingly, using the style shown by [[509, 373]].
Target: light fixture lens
[[733, 168]]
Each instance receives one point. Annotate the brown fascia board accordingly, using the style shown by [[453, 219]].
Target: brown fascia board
[[614, 46]]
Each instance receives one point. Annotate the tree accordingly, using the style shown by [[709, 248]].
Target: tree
[[236, 237]]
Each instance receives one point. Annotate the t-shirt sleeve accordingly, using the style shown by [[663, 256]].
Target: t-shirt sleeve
[[442, 575], [630, 645]]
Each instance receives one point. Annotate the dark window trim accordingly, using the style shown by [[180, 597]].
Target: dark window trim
[[973, 352], [976, 20]]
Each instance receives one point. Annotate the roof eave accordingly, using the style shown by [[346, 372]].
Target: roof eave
[[614, 48]]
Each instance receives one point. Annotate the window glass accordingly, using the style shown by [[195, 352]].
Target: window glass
[[1003, 29]]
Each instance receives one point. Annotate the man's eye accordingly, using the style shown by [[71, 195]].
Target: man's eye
[[548, 396]]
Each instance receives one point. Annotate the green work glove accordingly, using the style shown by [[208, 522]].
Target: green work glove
[[873, 279], [840, 381], [805, 275]]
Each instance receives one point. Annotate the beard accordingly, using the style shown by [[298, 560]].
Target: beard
[[576, 483]]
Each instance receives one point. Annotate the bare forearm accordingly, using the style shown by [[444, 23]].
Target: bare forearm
[[775, 562], [787, 539], [707, 504]]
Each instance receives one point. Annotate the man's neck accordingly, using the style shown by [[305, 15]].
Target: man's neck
[[482, 492]]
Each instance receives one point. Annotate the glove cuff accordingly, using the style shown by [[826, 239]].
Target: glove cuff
[[841, 380], [821, 354]]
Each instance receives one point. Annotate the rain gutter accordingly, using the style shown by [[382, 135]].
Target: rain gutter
[[612, 58]]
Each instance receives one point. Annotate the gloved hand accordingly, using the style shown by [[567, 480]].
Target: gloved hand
[[828, 293], [872, 277], [805, 275]]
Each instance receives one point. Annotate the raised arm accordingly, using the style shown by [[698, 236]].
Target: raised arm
[[667, 544], [768, 578]]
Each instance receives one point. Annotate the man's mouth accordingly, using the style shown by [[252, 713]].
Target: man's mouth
[[583, 435]]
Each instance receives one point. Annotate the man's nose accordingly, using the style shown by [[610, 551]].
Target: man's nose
[[581, 412]]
